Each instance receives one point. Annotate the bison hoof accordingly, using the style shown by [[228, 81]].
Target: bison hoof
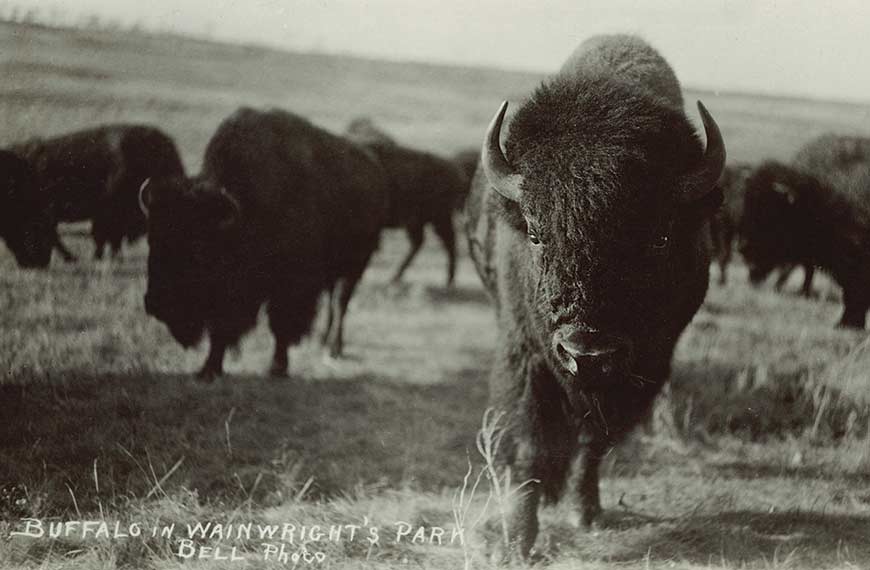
[[208, 375], [589, 518], [278, 371]]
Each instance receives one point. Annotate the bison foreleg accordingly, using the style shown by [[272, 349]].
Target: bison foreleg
[[415, 234], [330, 317], [65, 253], [809, 272], [444, 231], [341, 295], [214, 363], [588, 484], [784, 274], [854, 309]]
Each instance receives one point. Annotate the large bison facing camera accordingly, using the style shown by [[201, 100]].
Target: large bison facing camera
[[281, 211], [792, 216], [589, 234]]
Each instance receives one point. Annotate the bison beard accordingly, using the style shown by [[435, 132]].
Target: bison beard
[[589, 235], [281, 211]]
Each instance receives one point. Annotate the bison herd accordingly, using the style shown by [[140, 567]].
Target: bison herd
[[591, 216]]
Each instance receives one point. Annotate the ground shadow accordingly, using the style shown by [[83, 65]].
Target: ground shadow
[[751, 537], [108, 438], [731, 538], [457, 295]]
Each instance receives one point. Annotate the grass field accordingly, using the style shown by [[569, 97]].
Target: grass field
[[760, 458]]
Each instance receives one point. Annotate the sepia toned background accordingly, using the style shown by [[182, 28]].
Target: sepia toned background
[[761, 455]]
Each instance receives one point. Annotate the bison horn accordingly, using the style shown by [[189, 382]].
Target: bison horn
[[714, 155], [496, 167], [145, 197], [235, 209]]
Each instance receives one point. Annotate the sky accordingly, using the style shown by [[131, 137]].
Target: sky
[[816, 48]]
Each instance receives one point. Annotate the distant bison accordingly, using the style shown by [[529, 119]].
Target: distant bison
[[589, 233], [26, 223], [95, 175], [467, 161], [281, 211], [424, 189], [793, 216], [725, 223]]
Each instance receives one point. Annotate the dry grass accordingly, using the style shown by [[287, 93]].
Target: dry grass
[[764, 462]]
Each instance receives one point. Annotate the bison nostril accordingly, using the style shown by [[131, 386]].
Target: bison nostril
[[565, 358]]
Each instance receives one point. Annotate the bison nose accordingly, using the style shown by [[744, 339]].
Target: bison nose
[[575, 348]]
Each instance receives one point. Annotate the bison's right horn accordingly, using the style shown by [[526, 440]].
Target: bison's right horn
[[714, 155], [235, 209], [145, 197], [496, 167]]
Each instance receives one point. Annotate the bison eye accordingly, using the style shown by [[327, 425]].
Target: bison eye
[[533, 238], [661, 243]]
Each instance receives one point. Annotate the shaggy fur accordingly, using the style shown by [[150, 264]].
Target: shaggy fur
[[424, 189], [26, 224], [309, 210], [95, 175], [792, 216], [606, 153]]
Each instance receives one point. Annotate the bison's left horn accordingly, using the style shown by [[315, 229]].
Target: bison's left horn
[[714, 155], [145, 197], [235, 209], [496, 167]]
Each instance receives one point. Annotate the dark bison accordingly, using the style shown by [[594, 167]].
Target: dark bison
[[281, 211], [95, 175], [26, 223], [424, 189], [792, 216], [589, 232], [725, 229], [725, 223]]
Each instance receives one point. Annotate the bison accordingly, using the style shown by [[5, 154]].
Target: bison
[[589, 233], [281, 211], [725, 229], [26, 223], [792, 216], [424, 189], [725, 223], [96, 174]]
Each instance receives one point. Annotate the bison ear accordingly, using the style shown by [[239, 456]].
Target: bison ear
[[786, 191], [230, 210], [145, 197]]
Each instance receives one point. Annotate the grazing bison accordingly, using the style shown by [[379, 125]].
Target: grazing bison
[[725, 228], [26, 224], [281, 211], [424, 189], [95, 175], [589, 233], [792, 216]]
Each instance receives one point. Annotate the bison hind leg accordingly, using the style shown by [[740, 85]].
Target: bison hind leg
[[445, 232], [290, 318]]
